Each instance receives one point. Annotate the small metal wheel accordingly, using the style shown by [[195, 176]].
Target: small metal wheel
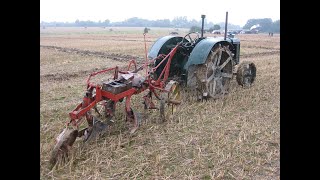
[[63, 145], [246, 74], [212, 79], [170, 100]]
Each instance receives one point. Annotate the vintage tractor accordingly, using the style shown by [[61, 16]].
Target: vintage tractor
[[204, 65]]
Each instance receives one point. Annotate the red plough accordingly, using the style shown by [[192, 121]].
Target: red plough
[[123, 85]]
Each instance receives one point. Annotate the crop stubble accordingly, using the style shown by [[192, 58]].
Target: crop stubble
[[236, 137]]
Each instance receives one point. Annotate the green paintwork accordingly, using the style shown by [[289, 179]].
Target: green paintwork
[[198, 54], [160, 45], [201, 51]]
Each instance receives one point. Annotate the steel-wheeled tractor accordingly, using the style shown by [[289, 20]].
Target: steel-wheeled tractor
[[205, 65]]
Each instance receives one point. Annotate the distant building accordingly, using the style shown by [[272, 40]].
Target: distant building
[[253, 31]]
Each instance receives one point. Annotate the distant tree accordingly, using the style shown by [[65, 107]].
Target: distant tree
[[265, 24], [276, 26], [194, 22], [210, 24], [160, 23], [106, 22], [215, 27], [135, 22], [180, 22], [177, 22], [195, 29]]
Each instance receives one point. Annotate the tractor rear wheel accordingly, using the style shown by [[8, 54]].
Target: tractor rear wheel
[[212, 79]]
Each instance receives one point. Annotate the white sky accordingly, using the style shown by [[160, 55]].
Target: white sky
[[118, 10]]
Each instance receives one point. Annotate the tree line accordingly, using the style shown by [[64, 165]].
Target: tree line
[[177, 22], [265, 24]]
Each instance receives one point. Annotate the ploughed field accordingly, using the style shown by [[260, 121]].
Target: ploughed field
[[235, 137]]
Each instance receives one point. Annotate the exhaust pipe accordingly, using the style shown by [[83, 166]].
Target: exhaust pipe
[[226, 26], [202, 16]]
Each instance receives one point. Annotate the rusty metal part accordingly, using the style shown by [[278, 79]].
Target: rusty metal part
[[170, 100], [191, 78], [132, 119], [246, 74], [93, 132], [82, 132], [63, 145], [116, 87], [148, 104]]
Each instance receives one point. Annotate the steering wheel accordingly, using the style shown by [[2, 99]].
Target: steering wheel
[[192, 41]]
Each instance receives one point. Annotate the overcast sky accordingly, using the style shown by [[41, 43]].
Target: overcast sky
[[118, 10]]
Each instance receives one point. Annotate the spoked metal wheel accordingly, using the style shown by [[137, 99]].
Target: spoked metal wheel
[[246, 74], [212, 79], [170, 100]]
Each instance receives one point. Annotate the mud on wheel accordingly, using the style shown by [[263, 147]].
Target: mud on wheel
[[212, 79], [170, 100]]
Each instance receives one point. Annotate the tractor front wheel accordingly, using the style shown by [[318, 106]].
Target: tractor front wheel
[[246, 73]]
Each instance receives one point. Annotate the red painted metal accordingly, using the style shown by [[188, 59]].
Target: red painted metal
[[128, 108], [145, 52], [80, 113], [134, 63], [149, 103], [90, 101], [167, 66], [116, 97], [99, 72]]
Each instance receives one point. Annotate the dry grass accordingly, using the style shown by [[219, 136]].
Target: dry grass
[[236, 137], [53, 62]]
